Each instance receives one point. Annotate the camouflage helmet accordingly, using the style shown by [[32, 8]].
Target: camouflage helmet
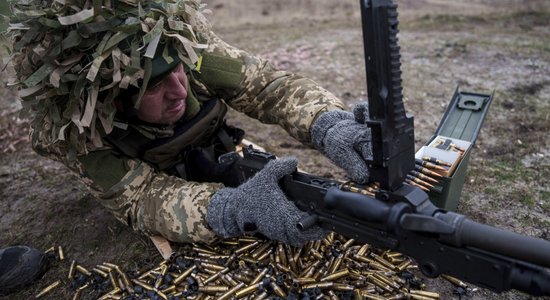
[[73, 58]]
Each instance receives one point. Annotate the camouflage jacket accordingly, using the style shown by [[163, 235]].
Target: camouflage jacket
[[159, 204]]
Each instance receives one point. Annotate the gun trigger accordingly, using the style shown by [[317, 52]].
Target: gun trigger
[[421, 223]]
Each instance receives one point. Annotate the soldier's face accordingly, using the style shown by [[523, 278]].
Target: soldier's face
[[164, 102]]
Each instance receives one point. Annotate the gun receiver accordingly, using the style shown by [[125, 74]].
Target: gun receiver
[[441, 242], [392, 130]]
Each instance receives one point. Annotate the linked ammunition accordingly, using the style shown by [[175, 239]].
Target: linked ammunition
[[421, 169], [436, 161], [419, 181], [48, 289], [429, 165], [409, 182], [422, 176]]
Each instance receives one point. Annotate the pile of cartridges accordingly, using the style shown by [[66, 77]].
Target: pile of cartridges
[[249, 268]]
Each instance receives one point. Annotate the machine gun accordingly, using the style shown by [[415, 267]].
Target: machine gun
[[402, 217]]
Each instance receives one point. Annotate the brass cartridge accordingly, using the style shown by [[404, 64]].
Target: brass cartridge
[[184, 275], [213, 289], [169, 289], [347, 244], [362, 250], [78, 292], [83, 270], [455, 281], [60, 253], [321, 285], [401, 267], [212, 266], [379, 283], [231, 292], [71, 269], [216, 276], [247, 247], [425, 294], [48, 289], [382, 261], [336, 275], [247, 290], [143, 284], [100, 272], [277, 289], [283, 268], [281, 255], [261, 249]]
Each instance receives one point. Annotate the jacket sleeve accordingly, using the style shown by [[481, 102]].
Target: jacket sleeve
[[149, 201], [253, 86]]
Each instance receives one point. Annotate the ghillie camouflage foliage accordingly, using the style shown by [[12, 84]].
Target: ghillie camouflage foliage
[[73, 58]]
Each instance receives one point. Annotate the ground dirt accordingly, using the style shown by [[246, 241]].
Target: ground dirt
[[500, 46]]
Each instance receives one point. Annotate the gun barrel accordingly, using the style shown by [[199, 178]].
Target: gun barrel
[[508, 243], [496, 240]]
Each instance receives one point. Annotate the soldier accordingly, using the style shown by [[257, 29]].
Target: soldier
[[131, 96]]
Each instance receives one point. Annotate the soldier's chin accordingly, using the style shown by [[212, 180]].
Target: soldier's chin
[[175, 113]]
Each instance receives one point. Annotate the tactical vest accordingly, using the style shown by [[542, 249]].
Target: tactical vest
[[192, 151]]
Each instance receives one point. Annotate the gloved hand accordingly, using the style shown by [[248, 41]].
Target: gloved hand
[[260, 206], [345, 139]]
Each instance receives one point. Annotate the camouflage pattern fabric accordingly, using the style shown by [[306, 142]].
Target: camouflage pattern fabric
[[159, 204]]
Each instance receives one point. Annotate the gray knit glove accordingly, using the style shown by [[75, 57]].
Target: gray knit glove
[[345, 139], [260, 206]]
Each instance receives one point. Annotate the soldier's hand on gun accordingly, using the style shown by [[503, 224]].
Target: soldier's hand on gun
[[260, 206], [345, 139]]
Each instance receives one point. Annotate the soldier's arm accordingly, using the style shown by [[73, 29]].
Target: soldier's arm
[[148, 201], [253, 86]]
